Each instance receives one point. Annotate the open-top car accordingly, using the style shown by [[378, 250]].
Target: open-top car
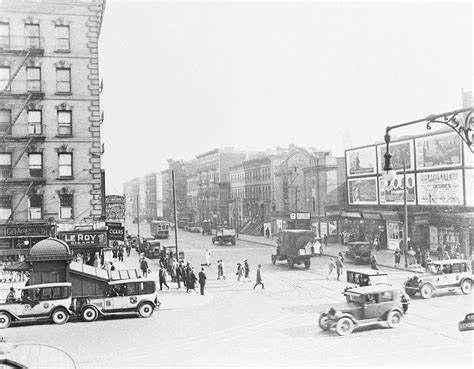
[[366, 306], [441, 275], [359, 252], [365, 277], [132, 296], [49, 301]]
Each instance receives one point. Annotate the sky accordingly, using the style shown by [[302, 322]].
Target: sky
[[182, 78]]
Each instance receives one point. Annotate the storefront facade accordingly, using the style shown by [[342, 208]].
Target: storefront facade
[[17, 238]]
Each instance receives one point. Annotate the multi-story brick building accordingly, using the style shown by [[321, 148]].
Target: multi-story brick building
[[167, 197], [50, 157]]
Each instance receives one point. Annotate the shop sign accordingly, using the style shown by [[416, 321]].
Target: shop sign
[[437, 151], [392, 192], [116, 233], [421, 219], [467, 324], [16, 230], [84, 238], [363, 191], [300, 216], [361, 161], [440, 188], [401, 152]]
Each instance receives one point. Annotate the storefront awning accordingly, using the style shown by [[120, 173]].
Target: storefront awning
[[21, 266], [394, 217], [350, 214], [375, 216]]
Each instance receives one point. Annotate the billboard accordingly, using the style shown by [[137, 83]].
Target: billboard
[[392, 192], [469, 173], [400, 151], [440, 188], [114, 207], [363, 191], [361, 161], [437, 151]]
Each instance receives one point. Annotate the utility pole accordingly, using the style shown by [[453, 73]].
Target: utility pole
[[138, 217], [296, 207], [175, 215], [405, 211]]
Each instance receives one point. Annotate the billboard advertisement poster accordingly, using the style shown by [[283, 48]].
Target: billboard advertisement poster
[[114, 207], [433, 237], [392, 192], [442, 150], [361, 161], [440, 188], [469, 173], [332, 225], [400, 151], [363, 191], [324, 229]]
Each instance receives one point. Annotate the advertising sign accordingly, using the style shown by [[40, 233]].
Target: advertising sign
[[324, 229], [361, 161], [400, 151], [469, 173], [391, 192], [116, 233], [84, 238], [114, 207], [14, 230], [433, 237], [332, 225], [362, 191], [440, 188], [442, 150], [300, 216]]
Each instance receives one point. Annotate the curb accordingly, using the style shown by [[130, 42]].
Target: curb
[[324, 254]]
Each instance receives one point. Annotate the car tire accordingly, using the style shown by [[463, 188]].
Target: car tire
[[344, 326], [60, 316], [307, 264], [324, 322], [426, 291], [291, 263], [394, 318], [145, 310], [5, 320], [273, 259], [466, 286], [90, 314]]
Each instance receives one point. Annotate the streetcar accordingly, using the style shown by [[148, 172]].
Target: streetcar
[[160, 228]]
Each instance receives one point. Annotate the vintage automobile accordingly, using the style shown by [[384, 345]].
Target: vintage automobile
[[359, 252], [143, 243], [49, 301], [195, 229], [365, 277], [224, 235], [296, 246], [152, 249], [441, 275], [365, 306], [122, 297], [206, 227]]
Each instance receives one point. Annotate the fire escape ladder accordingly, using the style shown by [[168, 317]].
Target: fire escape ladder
[[7, 87], [22, 153], [23, 105], [19, 202]]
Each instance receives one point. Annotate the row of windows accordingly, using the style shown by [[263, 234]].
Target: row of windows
[[253, 175], [35, 207], [32, 38], [256, 192], [36, 165], [35, 122], [33, 79]]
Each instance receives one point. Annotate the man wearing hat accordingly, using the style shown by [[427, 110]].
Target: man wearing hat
[[259, 279]]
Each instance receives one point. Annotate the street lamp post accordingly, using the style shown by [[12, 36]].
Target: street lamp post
[[405, 213], [138, 219], [175, 215]]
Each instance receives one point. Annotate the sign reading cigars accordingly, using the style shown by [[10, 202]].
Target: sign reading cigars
[[116, 233], [84, 238]]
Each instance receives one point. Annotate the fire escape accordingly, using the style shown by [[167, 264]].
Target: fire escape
[[17, 96]]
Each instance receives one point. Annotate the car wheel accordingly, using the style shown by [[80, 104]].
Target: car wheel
[[324, 322], [466, 286], [307, 264], [5, 320], [273, 259], [89, 314], [393, 319], [344, 326], [145, 310], [60, 316], [291, 263], [426, 291]]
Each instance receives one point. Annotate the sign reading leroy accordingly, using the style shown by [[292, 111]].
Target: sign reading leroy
[[116, 233], [84, 238]]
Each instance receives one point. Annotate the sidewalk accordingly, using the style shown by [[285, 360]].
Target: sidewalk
[[384, 258]]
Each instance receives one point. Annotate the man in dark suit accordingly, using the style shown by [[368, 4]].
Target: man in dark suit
[[180, 274], [202, 280]]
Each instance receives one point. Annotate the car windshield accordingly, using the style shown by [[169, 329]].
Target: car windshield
[[355, 298]]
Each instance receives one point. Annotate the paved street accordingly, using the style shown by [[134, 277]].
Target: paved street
[[233, 325]]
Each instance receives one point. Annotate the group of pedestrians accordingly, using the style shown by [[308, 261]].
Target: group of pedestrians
[[336, 264]]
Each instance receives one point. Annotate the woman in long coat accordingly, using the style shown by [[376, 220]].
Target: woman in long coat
[[192, 280]]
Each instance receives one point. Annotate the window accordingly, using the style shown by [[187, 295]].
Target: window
[[63, 80], [4, 78], [386, 296], [5, 165], [36, 207], [64, 123], [65, 206], [5, 121], [33, 78], [5, 207], [62, 38], [5, 35], [65, 165], [34, 122], [36, 165], [32, 38]]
